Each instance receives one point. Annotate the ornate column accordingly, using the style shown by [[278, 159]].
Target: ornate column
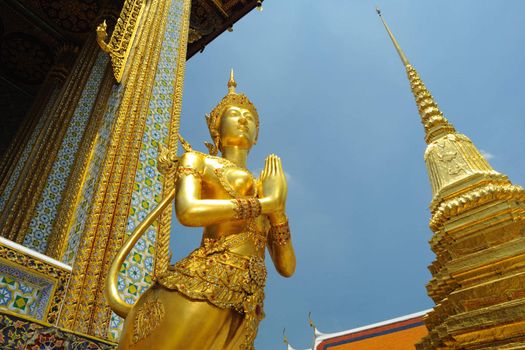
[[145, 110], [34, 202], [34, 123], [478, 220], [84, 172], [78, 194]]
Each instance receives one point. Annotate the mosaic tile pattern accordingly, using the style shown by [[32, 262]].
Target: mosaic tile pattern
[[23, 292], [83, 207], [47, 209], [27, 150], [136, 274], [22, 271], [19, 333]]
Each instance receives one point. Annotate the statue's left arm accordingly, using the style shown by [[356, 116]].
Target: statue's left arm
[[280, 244], [273, 182]]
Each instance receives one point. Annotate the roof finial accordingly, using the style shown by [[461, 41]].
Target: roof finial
[[402, 55], [311, 322], [285, 340], [231, 83]]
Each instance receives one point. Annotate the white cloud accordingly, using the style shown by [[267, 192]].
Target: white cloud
[[486, 155]]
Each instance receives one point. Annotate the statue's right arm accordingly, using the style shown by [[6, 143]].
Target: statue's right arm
[[191, 210]]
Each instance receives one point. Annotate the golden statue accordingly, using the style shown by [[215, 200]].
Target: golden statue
[[213, 299]]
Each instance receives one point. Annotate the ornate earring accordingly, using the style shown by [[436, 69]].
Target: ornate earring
[[212, 149]]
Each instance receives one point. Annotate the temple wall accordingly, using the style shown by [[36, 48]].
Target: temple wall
[[19, 332], [31, 284], [94, 139], [14, 176], [46, 210]]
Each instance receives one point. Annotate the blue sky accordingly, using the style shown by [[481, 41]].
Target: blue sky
[[335, 105]]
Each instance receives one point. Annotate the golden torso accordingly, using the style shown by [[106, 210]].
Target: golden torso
[[221, 179]]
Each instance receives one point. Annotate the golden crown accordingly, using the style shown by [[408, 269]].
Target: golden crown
[[232, 98]]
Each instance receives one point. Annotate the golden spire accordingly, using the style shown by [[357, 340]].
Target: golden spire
[[231, 83], [436, 125], [400, 52]]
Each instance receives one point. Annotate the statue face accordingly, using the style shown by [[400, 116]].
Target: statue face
[[238, 127]]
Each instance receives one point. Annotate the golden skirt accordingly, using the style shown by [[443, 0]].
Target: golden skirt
[[223, 278]]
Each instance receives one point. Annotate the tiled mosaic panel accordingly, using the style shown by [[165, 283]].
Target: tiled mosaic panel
[[136, 274], [24, 293], [88, 189], [47, 209], [4, 196], [19, 333]]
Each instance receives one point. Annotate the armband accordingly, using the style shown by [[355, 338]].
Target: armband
[[184, 170]]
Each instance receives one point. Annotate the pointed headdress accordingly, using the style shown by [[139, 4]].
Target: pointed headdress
[[232, 98]]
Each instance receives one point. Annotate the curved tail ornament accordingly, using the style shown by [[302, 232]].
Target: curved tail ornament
[[167, 165], [115, 301]]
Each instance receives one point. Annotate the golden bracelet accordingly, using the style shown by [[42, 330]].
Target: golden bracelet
[[280, 233], [246, 208]]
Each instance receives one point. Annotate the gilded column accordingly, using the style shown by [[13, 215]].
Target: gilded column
[[33, 204], [34, 123], [79, 187], [78, 195], [478, 220], [146, 110]]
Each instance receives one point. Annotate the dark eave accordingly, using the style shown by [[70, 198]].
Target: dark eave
[[226, 18]]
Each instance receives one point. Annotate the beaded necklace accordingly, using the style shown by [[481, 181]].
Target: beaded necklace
[[219, 172]]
